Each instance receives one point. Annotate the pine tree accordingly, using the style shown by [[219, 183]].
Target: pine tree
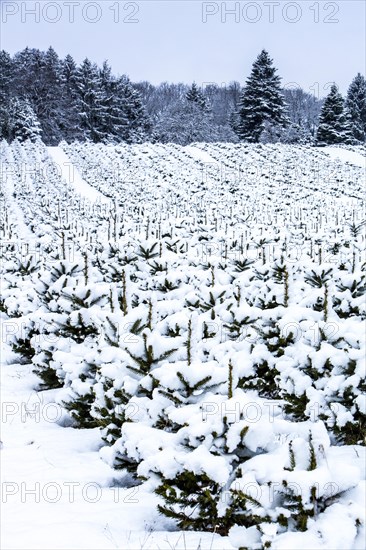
[[114, 118], [332, 122], [22, 121], [90, 101], [28, 80], [51, 113], [196, 95], [37, 78], [69, 124], [133, 122], [261, 100], [356, 108], [6, 78]]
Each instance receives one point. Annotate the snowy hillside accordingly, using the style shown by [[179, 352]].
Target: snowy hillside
[[183, 346]]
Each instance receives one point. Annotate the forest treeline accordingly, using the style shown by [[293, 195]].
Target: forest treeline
[[44, 96]]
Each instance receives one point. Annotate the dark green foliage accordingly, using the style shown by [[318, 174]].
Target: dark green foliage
[[76, 331], [261, 101], [146, 361], [112, 414], [21, 121], [237, 326], [44, 93], [299, 512], [312, 457], [352, 433], [167, 286], [189, 342], [318, 281], [206, 333], [193, 499], [23, 345], [333, 121], [156, 267], [196, 95], [44, 370], [268, 303], [174, 332], [264, 380], [111, 333], [187, 390], [242, 265], [262, 275], [79, 302], [230, 382], [356, 108], [24, 348], [174, 246], [274, 338], [281, 276], [25, 268], [292, 458], [63, 269], [355, 229], [79, 408], [208, 305], [295, 406], [137, 327], [148, 253]]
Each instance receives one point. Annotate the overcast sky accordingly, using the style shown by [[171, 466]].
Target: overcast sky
[[312, 42]]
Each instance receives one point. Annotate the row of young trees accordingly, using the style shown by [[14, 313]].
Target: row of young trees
[[45, 96]]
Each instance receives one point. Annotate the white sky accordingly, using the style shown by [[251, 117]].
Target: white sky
[[312, 42]]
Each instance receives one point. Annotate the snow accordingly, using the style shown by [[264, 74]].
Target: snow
[[53, 475], [345, 155], [16, 214], [198, 154], [71, 176], [174, 242]]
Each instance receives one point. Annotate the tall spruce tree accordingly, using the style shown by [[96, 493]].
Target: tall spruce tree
[[356, 108], [261, 101], [69, 124], [51, 112], [6, 78], [28, 79], [22, 121], [112, 119], [37, 78], [196, 95], [333, 124], [90, 102], [133, 120]]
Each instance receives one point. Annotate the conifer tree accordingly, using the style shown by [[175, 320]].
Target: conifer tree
[[51, 112], [37, 78], [22, 122], [132, 121], [356, 108], [90, 101], [196, 95], [333, 121], [114, 118], [6, 77], [68, 77], [261, 101], [28, 77]]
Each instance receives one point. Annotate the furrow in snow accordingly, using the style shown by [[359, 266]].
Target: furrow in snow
[[71, 176]]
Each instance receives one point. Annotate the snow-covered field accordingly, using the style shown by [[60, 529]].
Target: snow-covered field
[[183, 347]]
